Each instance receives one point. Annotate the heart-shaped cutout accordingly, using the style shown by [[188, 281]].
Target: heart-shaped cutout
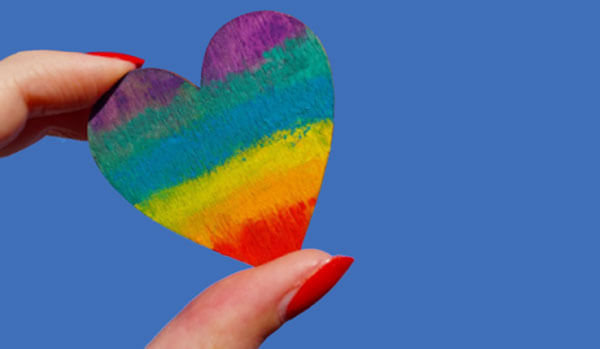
[[235, 165]]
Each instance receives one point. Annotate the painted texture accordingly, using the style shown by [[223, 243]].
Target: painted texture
[[237, 164]]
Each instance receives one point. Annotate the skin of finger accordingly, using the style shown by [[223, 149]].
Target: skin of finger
[[241, 310], [44, 83], [13, 113], [69, 125]]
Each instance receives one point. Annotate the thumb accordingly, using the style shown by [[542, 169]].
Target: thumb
[[243, 309], [60, 86]]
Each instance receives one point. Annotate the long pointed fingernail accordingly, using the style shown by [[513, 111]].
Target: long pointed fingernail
[[317, 285], [129, 58]]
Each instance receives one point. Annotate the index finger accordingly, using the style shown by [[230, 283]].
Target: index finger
[[52, 83]]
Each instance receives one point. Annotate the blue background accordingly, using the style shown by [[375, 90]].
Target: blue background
[[463, 178]]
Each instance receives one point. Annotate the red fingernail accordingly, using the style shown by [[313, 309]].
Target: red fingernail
[[129, 58], [318, 285]]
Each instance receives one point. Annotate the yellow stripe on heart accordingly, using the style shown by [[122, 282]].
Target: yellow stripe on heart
[[280, 171]]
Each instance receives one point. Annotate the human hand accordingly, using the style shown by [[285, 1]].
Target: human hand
[[52, 93]]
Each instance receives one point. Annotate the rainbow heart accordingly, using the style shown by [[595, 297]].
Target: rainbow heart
[[235, 165]]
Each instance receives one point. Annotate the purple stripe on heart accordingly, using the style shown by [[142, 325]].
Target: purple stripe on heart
[[158, 87], [240, 44]]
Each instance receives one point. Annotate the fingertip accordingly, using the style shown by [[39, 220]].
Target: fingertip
[[55, 82], [245, 308], [314, 287]]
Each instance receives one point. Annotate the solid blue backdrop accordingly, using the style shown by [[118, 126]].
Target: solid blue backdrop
[[463, 178]]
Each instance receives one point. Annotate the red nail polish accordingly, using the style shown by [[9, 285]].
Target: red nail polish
[[133, 59], [318, 285]]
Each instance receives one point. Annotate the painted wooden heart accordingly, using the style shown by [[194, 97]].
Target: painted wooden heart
[[235, 165]]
